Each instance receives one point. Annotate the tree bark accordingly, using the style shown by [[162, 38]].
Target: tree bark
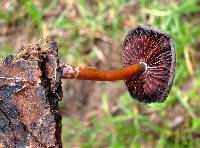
[[30, 88]]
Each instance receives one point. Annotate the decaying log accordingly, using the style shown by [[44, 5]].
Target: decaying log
[[30, 88]]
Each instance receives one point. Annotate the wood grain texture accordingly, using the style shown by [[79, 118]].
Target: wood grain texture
[[30, 88]]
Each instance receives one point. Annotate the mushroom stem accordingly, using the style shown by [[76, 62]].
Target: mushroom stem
[[86, 73]]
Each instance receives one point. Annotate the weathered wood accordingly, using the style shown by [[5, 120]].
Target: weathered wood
[[30, 88]]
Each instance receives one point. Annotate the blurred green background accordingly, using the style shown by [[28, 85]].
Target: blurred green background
[[90, 32]]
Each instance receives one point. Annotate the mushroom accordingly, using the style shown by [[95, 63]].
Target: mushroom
[[149, 59]]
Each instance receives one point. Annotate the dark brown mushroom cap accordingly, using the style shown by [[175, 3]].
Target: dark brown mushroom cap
[[156, 51]]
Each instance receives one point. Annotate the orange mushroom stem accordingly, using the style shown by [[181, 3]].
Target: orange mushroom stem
[[87, 73]]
